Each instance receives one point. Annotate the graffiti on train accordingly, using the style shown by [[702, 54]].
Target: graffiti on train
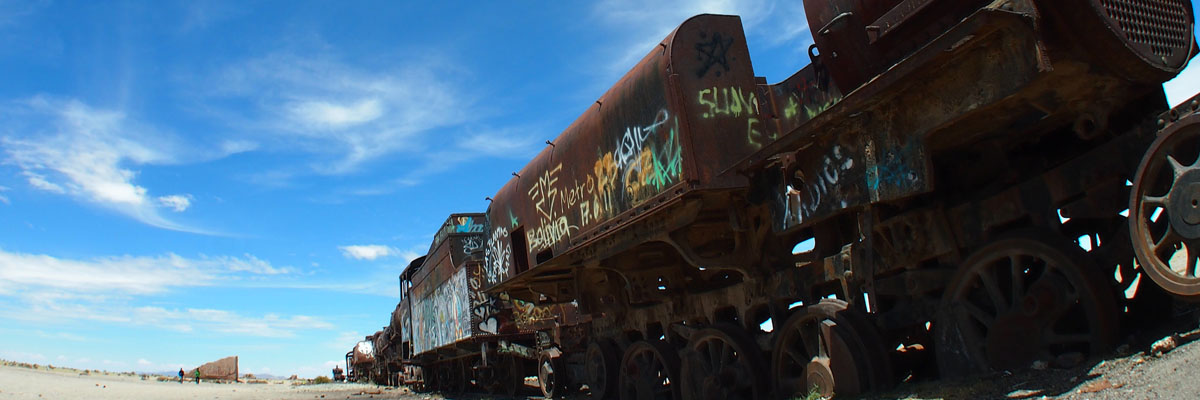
[[444, 316], [645, 159], [497, 256], [818, 187], [460, 224]]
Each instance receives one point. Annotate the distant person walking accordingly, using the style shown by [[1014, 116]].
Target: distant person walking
[[181, 376], [197, 375]]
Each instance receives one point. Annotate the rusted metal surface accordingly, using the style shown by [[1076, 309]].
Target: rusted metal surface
[[692, 98], [1143, 40], [924, 139], [364, 352], [1163, 217], [224, 369]]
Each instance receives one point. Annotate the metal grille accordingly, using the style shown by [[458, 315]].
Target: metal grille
[[1162, 25]]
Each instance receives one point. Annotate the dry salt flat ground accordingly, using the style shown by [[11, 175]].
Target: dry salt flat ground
[[18, 382]]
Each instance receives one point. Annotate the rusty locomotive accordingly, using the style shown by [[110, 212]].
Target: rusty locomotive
[[949, 187]]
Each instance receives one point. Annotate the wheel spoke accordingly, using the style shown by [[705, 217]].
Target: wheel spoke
[[1169, 238], [826, 332], [1176, 167], [727, 356], [1157, 201], [989, 282], [1191, 266], [978, 313], [812, 345], [1018, 279]]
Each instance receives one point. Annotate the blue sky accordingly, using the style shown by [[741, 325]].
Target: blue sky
[[183, 181]]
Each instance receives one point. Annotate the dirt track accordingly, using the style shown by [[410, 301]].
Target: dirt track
[[1132, 373]]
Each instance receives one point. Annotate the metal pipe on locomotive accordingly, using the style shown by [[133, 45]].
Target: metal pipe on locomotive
[[950, 187]]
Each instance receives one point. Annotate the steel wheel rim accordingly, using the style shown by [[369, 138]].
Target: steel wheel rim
[[1163, 210], [817, 343], [1020, 300], [721, 365], [547, 379], [600, 368], [649, 371]]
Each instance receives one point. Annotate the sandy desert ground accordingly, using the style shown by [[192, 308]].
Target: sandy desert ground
[[24, 383]]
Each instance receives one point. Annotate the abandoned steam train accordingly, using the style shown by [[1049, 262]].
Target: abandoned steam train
[[949, 187]]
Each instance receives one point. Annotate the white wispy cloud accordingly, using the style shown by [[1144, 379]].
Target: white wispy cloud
[[64, 146], [49, 289], [642, 25], [3, 198], [345, 114], [41, 275], [228, 322], [367, 252], [636, 27], [176, 202]]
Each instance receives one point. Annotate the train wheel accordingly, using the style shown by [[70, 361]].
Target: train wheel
[[550, 377], [649, 370], [722, 363], [820, 347], [601, 368], [458, 379], [1024, 298], [512, 378], [1164, 210]]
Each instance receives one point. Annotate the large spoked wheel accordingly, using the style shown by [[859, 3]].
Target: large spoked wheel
[[722, 363], [826, 347], [649, 370], [512, 378], [1027, 297], [1164, 209], [601, 368], [550, 377]]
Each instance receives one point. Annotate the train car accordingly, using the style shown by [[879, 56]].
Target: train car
[[956, 176], [360, 361], [452, 335]]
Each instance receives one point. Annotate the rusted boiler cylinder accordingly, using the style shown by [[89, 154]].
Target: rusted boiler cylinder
[[1147, 41]]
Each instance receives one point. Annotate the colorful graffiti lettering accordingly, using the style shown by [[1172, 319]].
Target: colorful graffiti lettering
[[728, 102], [458, 224], [757, 138], [644, 161], [444, 316]]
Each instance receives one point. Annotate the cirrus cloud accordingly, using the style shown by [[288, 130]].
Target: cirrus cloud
[[367, 252]]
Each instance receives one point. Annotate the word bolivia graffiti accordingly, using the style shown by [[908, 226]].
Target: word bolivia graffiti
[[645, 160]]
